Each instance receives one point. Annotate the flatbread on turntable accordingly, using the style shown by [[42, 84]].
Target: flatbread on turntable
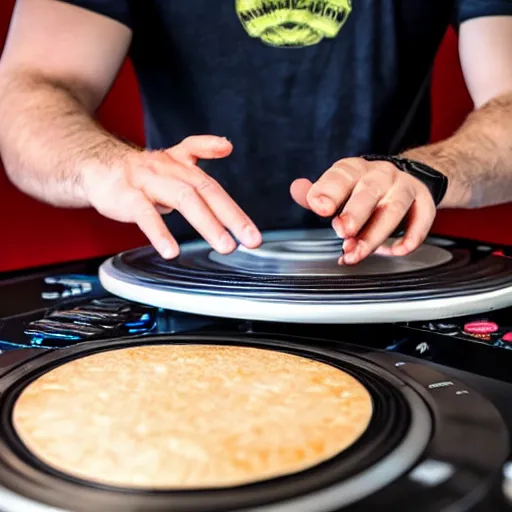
[[190, 416], [295, 277]]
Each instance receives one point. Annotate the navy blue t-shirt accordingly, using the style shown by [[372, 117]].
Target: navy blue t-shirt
[[294, 84]]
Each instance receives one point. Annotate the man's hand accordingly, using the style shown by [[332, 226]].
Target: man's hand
[[371, 199], [144, 184], [54, 150]]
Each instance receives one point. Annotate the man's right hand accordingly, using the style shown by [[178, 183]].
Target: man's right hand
[[54, 150], [145, 184]]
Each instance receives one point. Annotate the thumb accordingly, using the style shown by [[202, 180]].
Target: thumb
[[299, 190]]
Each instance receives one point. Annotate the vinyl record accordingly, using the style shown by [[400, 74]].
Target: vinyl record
[[294, 277]]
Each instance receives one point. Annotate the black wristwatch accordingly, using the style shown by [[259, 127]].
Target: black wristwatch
[[436, 182]]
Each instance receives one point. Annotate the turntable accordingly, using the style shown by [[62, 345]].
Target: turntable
[[419, 418], [294, 277]]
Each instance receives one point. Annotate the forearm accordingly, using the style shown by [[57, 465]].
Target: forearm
[[477, 159], [48, 139]]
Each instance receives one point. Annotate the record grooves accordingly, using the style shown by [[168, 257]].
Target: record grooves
[[464, 274]]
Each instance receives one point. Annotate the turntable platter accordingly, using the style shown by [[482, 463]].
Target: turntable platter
[[295, 277]]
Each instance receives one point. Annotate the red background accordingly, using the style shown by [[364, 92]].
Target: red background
[[37, 234]]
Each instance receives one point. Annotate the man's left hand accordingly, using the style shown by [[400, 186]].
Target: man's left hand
[[376, 198]]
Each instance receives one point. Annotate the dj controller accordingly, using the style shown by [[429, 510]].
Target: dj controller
[[438, 368]]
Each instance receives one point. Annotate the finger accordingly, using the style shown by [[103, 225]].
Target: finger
[[421, 218], [218, 200], [349, 244], [200, 146], [182, 196], [225, 209], [334, 187], [299, 190], [161, 163], [387, 216], [365, 197], [384, 250], [150, 222]]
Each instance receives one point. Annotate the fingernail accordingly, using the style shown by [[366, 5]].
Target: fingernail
[[338, 231], [341, 260], [226, 243], [325, 202], [251, 236], [167, 251], [338, 228]]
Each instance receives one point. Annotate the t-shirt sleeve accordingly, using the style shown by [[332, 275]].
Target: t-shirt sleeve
[[468, 9], [118, 10]]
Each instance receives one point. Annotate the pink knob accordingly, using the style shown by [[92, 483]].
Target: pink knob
[[508, 337], [481, 327]]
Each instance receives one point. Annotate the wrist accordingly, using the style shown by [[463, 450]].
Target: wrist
[[435, 181], [459, 191], [106, 161]]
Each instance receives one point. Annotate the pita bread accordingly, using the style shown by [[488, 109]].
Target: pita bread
[[190, 416]]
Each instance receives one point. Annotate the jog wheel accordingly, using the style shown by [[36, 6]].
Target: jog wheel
[[294, 277]]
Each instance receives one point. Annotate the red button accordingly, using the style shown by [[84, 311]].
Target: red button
[[507, 337], [481, 327]]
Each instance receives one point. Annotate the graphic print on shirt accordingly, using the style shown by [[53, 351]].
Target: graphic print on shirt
[[293, 23]]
